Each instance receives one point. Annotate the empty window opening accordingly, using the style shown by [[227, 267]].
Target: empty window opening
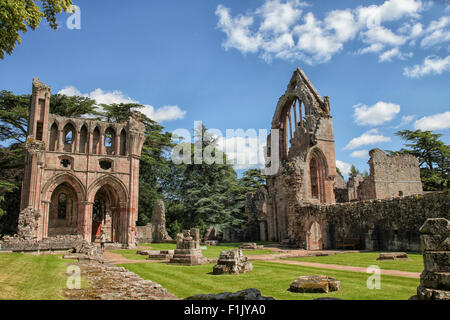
[[62, 206], [65, 163], [105, 165]]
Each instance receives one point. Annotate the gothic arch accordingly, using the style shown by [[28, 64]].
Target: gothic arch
[[114, 182], [68, 178], [317, 169]]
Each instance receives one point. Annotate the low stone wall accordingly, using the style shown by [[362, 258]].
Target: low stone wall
[[58, 243], [389, 224]]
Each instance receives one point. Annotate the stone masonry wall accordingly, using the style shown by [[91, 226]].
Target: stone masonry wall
[[389, 224]]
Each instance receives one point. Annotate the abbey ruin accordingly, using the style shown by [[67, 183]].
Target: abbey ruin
[[81, 177], [307, 204]]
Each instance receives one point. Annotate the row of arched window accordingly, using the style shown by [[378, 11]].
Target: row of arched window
[[68, 140]]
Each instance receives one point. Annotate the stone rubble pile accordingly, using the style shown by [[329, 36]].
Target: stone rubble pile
[[232, 262]]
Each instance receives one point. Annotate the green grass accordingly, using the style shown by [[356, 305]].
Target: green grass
[[366, 259], [210, 252], [32, 277], [272, 279]]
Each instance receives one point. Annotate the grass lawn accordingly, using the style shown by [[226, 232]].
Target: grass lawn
[[366, 259], [32, 277], [272, 279], [210, 252]]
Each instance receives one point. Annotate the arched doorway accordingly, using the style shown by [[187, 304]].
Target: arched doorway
[[314, 240], [106, 214], [63, 213]]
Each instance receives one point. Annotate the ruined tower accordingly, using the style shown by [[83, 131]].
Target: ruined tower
[[81, 175], [307, 165]]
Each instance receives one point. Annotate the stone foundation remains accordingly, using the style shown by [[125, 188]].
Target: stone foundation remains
[[232, 262], [315, 284], [188, 250], [248, 294]]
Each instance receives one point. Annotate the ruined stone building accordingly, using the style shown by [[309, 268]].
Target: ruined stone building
[[81, 175], [306, 149], [390, 177], [298, 205]]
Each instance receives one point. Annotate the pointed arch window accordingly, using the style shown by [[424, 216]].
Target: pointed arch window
[[62, 206]]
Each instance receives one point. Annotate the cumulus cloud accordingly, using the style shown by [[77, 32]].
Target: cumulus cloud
[[393, 53], [243, 152], [165, 113], [362, 154], [406, 120], [435, 122], [431, 65], [343, 167], [285, 29], [367, 138], [437, 32], [379, 113]]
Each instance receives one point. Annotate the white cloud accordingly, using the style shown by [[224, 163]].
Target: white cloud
[[238, 33], [284, 29], [279, 17], [379, 113], [431, 65], [375, 47], [343, 167], [243, 152], [367, 138], [393, 53], [437, 32], [165, 113], [406, 120], [383, 35], [434, 122], [362, 154], [388, 11]]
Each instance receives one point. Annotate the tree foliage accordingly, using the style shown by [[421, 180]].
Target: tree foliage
[[18, 16]]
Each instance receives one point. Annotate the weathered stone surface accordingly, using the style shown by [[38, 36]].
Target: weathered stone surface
[[248, 294], [393, 256], [432, 294], [436, 227], [250, 246], [435, 279], [188, 250], [65, 177], [436, 261], [59, 243], [161, 255], [232, 262], [435, 242], [108, 282], [315, 284]]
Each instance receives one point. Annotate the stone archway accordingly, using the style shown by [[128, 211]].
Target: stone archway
[[106, 214], [314, 236], [63, 211]]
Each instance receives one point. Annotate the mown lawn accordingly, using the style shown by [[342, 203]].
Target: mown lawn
[[32, 277], [272, 279], [366, 259], [210, 252]]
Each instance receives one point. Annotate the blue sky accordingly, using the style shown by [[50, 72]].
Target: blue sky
[[384, 64]]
